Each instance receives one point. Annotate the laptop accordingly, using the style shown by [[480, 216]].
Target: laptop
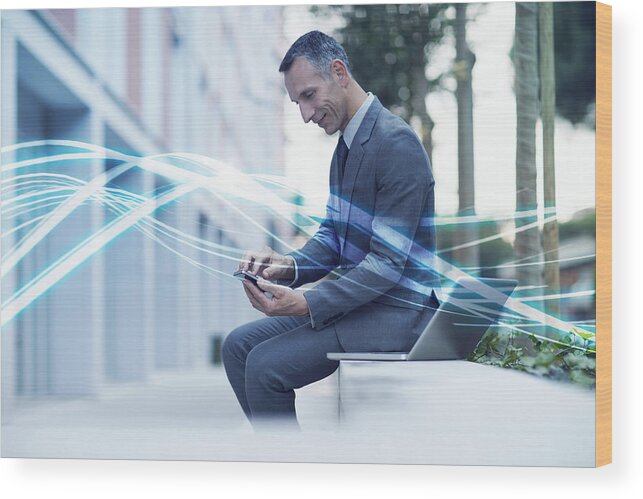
[[456, 327]]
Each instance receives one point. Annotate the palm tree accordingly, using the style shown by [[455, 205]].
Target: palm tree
[[527, 247], [462, 70], [548, 109]]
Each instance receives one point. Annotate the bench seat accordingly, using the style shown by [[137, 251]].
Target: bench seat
[[460, 412]]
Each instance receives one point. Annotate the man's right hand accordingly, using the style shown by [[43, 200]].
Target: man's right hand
[[268, 264]]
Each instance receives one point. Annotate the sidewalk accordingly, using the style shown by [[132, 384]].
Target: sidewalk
[[425, 413], [180, 415]]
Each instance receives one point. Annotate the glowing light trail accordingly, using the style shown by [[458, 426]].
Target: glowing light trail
[[44, 281], [236, 190]]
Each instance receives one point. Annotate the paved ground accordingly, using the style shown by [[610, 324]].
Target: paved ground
[[190, 415], [442, 413]]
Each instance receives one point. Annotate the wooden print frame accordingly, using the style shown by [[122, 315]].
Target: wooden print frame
[[104, 342], [604, 233]]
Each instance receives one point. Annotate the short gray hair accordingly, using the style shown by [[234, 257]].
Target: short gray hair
[[319, 49]]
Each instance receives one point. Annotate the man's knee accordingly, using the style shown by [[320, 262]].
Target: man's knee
[[234, 345], [263, 368]]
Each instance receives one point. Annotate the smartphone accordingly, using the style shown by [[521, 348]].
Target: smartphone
[[245, 275], [248, 276]]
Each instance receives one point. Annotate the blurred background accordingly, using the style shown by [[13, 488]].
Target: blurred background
[[506, 113]]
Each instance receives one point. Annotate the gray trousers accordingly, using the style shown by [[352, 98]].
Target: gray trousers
[[267, 359]]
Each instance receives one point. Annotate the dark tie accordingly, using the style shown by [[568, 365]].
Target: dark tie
[[342, 154]]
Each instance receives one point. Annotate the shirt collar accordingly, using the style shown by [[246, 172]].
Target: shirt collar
[[356, 120]]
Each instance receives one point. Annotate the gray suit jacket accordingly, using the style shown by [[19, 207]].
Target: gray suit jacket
[[377, 218]]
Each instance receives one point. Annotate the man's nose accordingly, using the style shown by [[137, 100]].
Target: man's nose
[[307, 112]]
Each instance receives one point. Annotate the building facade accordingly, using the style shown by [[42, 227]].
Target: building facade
[[142, 82]]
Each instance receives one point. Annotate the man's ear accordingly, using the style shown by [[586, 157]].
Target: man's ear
[[340, 72]]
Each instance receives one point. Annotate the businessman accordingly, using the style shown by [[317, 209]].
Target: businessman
[[377, 228]]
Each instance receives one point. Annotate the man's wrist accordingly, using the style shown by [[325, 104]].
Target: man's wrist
[[293, 269]]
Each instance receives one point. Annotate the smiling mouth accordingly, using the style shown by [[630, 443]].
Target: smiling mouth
[[320, 120]]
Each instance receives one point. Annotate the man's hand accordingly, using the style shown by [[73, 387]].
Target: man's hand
[[284, 301], [268, 264]]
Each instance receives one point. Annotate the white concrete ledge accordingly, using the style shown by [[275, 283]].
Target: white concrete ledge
[[459, 412]]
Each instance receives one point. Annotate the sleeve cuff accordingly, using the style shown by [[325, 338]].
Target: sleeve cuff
[[312, 321], [294, 264]]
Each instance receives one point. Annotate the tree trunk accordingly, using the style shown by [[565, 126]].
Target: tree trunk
[[527, 246], [462, 70], [548, 109], [419, 90]]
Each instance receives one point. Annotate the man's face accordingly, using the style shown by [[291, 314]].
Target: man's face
[[320, 100]]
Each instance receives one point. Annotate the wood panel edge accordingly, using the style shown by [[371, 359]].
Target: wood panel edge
[[603, 234]]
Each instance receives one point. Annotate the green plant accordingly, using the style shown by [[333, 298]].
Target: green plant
[[572, 358]]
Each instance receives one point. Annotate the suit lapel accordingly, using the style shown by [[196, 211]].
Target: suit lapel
[[353, 165]]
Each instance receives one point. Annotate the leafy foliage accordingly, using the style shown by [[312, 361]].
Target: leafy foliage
[[572, 359], [575, 60], [492, 253], [581, 225]]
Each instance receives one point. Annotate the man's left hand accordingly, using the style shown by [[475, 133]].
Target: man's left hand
[[284, 301]]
